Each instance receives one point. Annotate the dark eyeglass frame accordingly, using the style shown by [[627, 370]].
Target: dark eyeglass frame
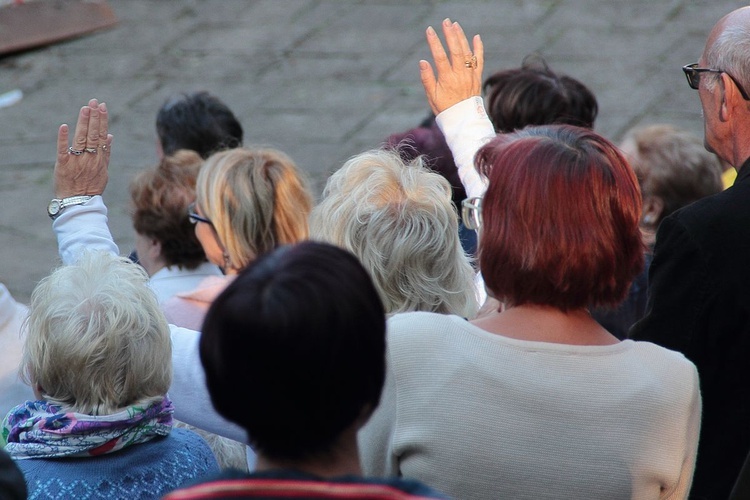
[[693, 75], [471, 213], [195, 218]]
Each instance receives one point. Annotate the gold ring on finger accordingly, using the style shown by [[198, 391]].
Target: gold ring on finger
[[471, 63], [104, 147]]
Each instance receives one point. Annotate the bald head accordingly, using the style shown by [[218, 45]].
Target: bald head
[[726, 111], [728, 45]]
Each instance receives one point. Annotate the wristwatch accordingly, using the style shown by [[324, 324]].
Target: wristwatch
[[57, 205]]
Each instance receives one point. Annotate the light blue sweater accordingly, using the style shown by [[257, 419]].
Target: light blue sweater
[[147, 470]]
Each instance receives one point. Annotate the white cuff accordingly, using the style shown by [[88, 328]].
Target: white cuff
[[467, 128], [83, 227]]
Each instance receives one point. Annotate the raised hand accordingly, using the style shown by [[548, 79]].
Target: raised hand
[[81, 169], [459, 72]]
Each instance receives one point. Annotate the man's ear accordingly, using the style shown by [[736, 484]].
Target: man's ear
[[729, 93]]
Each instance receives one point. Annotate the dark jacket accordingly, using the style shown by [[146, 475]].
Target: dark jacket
[[699, 304]]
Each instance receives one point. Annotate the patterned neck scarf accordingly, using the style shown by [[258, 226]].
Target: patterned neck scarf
[[37, 429]]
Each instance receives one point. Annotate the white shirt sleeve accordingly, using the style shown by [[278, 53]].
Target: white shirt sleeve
[[83, 227], [467, 128], [188, 391]]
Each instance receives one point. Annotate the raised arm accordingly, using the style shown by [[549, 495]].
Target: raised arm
[[453, 91], [81, 171]]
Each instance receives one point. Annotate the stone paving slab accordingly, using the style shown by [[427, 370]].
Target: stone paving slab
[[321, 80]]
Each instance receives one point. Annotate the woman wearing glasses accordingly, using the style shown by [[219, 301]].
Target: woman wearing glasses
[[537, 400], [248, 201], [165, 240]]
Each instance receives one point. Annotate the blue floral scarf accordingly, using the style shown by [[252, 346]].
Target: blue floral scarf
[[37, 429]]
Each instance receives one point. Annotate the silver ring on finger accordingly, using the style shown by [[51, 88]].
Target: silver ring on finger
[[77, 152], [104, 148], [90, 150]]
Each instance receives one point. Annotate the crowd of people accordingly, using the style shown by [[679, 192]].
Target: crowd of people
[[499, 303]]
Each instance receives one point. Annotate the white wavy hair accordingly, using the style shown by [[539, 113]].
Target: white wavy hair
[[97, 340], [398, 219]]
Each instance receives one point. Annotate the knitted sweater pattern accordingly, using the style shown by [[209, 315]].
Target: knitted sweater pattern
[[143, 471]]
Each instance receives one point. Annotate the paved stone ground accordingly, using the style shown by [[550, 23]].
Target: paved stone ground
[[319, 79]]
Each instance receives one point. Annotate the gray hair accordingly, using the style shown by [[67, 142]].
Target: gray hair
[[729, 52], [399, 220], [97, 340]]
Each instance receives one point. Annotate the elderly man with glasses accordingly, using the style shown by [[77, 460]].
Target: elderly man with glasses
[[699, 296]]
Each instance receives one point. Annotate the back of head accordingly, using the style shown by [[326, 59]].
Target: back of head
[[160, 198], [428, 142], [399, 220], [256, 199], [673, 165], [198, 121], [560, 219], [97, 340], [534, 95], [304, 330]]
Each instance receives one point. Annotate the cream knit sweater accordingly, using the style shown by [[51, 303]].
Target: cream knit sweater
[[479, 415]]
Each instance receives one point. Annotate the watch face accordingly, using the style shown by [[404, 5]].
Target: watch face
[[54, 207]]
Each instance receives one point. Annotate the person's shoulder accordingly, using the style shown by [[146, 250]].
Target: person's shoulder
[[726, 205], [422, 324], [661, 359]]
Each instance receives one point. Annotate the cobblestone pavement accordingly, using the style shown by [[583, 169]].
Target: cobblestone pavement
[[319, 79]]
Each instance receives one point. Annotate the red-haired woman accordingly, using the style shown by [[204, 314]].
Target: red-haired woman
[[538, 400]]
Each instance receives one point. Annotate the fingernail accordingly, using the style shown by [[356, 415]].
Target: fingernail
[[430, 30], [446, 22], [85, 110], [103, 107]]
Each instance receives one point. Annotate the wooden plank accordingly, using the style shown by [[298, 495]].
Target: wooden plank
[[33, 24]]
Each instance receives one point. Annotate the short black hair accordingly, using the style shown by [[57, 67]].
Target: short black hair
[[294, 349], [197, 121], [535, 95]]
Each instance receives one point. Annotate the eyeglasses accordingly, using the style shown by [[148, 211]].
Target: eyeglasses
[[194, 217], [471, 213], [693, 74]]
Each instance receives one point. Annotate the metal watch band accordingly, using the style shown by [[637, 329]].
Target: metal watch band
[[56, 205]]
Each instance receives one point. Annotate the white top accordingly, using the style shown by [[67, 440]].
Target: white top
[[84, 227], [12, 390], [478, 415], [169, 281], [466, 128]]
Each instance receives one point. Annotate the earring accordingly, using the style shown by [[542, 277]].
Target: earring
[[226, 261], [649, 219]]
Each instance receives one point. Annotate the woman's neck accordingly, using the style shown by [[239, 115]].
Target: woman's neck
[[546, 324]]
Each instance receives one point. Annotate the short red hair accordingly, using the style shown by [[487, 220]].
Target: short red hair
[[560, 219]]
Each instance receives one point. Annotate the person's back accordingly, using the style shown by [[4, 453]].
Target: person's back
[[479, 415], [148, 470], [702, 311]]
